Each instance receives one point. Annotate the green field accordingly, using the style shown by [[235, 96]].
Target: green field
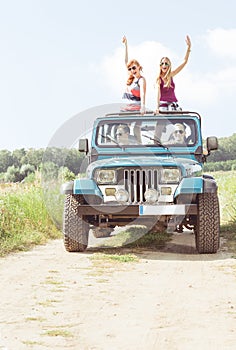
[[227, 195], [25, 220]]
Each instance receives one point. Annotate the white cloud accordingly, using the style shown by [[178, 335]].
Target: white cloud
[[192, 89], [226, 79], [222, 42]]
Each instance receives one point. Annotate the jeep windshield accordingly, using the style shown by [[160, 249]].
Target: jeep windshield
[[152, 131]]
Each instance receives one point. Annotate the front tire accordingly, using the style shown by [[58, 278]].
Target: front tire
[[75, 229], [207, 231]]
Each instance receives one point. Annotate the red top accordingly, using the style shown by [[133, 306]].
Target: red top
[[167, 94]]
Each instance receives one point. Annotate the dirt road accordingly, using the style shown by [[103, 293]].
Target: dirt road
[[170, 299]]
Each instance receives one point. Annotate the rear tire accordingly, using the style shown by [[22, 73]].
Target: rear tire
[[75, 229], [207, 231]]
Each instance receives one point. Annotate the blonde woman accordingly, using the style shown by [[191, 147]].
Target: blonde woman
[[135, 92], [166, 99]]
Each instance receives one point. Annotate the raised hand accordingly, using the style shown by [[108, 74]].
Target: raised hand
[[188, 41]]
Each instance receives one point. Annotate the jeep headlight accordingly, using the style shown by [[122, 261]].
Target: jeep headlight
[[105, 176], [170, 175]]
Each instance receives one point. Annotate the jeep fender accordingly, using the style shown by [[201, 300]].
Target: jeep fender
[[195, 185], [87, 187], [81, 186]]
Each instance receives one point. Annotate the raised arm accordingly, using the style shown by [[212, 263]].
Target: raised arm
[[178, 69], [124, 41]]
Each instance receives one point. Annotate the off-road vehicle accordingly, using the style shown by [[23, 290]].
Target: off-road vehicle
[[152, 176]]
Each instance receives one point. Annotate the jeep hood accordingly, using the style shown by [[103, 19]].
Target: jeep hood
[[184, 163]]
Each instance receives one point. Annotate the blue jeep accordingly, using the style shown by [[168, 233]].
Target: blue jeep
[[146, 170]]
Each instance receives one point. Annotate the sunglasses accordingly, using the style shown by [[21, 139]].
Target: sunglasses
[[133, 68], [179, 131], [164, 64]]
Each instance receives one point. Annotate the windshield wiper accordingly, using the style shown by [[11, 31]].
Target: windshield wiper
[[111, 139], [156, 140]]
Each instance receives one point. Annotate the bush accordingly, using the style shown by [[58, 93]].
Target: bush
[[24, 218], [227, 165], [13, 174], [64, 174]]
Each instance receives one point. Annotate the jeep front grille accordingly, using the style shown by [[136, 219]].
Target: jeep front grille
[[137, 181]]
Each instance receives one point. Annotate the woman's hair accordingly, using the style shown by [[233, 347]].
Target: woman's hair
[[125, 128], [129, 65], [167, 75]]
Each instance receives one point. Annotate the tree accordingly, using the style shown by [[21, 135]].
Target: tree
[[34, 157], [26, 169], [226, 151], [18, 157], [49, 171], [13, 174], [73, 160], [5, 160]]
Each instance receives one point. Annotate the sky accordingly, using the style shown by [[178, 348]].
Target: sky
[[60, 58]]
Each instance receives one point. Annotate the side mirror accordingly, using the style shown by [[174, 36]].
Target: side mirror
[[83, 145], [212, 143]]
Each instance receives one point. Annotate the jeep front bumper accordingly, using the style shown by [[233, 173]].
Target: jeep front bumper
[[138, 210]]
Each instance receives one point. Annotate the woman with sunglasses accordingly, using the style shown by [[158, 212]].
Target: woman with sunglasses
[[135, 91], [166, 99]]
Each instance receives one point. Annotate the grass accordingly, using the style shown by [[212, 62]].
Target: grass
[[120, 258], [24, 219], [31, 343], [30, 216], [48, 302], [108, 262], [152, 240], [54, 201], [50, 280], [136, 236], [227, 196], [228, 231], [37, 319], [59, 333]]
